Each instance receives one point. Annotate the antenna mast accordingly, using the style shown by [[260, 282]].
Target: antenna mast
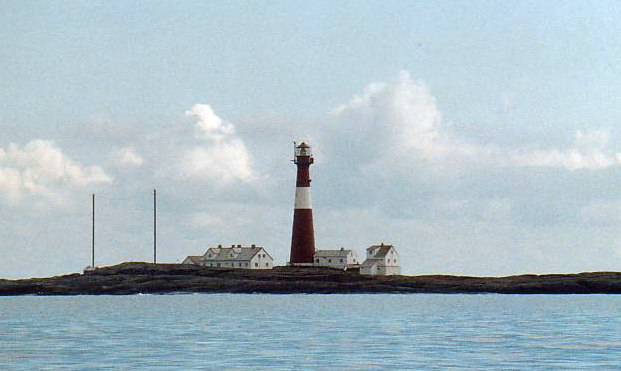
[[154, 226], [93, 235]]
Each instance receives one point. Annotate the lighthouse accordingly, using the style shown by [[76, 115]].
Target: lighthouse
[[303, 236]]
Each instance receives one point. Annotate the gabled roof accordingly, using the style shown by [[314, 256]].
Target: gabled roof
[[239, 253], [248, 253], [379, 251], [369, 263], [193, 258], [331, 253]]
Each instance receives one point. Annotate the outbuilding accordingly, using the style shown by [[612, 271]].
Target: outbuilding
[[382, 260], [192, 259], [341, 258]]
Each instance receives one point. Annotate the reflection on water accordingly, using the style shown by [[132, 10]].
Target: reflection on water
[[224, 331]]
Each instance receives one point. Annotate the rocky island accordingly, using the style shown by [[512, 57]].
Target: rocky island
[[145, 278]]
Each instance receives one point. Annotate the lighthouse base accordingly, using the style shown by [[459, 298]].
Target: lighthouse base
[[303, 237]]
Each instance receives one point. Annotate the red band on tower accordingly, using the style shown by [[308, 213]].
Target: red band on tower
[[303, 236]]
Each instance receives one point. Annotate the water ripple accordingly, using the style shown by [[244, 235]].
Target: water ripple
[[327, 332]]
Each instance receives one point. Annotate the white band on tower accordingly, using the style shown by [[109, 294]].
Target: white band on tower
[[303, 198]]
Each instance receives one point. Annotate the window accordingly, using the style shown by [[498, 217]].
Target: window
[[395, 261], [341, 260], [240, 264], [267, 264], [389, 260], [264, 255], [246, 264], [316, 260], [256, 264], [218, 264], [329, 260]]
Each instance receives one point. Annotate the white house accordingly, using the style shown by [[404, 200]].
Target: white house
[[253, 257], [335, 258], [382, 260]]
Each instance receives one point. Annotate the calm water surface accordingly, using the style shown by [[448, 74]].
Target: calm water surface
[[311, 332]]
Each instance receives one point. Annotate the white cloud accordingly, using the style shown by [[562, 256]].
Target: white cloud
[[221, 156], [208, 124], [588, 151], [127, 157], [405, 115], [41, 169], [225, 161], [401, 119]]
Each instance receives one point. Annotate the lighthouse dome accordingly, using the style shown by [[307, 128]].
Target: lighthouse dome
[[303, 149]]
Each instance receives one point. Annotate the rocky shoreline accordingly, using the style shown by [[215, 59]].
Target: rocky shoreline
[[145, 278]]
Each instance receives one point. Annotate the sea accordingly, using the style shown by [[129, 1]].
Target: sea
[[311, 332]]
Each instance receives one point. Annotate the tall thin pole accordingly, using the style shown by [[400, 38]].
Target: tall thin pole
[[154, 226], [93, 235]]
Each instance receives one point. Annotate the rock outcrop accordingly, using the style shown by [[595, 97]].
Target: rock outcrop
[[134, 278]]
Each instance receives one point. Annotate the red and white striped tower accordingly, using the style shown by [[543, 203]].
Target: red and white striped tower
[[303, 236]]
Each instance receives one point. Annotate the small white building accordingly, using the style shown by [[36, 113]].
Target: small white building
[[192, 259], [382, 260], [253, 257], [341, 258]]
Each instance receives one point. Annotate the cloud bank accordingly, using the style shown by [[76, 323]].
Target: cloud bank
[[401, 119], [589, 150], [41, 169]]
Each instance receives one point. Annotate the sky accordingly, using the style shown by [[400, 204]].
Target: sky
[[480, 138]]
